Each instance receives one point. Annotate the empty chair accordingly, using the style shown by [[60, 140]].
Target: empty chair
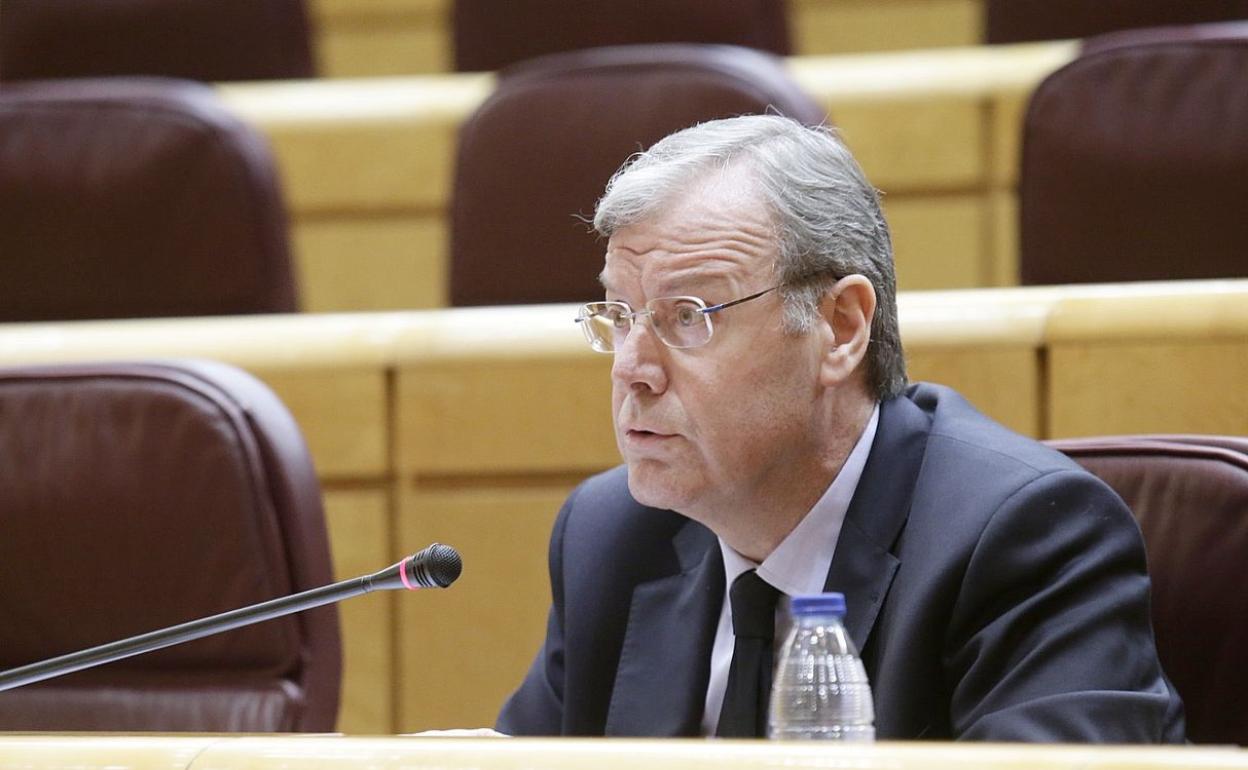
[[209, 40], [536, 155], [138, 496], [1015, 21], [1135, 160], [135, 198], [1128, 38], [489, 35], [1190, 495]]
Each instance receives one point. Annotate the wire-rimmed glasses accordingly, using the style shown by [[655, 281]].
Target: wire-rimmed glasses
[[679, 322]]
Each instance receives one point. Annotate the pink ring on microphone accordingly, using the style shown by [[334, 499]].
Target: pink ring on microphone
[[403, 574]]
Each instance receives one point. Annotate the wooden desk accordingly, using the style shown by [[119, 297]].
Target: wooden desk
[[1170, 358], [57, 752], [470, 425]]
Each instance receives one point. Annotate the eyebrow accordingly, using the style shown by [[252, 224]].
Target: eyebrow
[[607, 288]]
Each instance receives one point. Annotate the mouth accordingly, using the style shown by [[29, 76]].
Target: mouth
[[641, 436]]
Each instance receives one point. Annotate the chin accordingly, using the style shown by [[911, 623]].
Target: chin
[[658, 487]]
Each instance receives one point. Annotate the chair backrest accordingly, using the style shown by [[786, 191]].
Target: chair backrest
[[209, 40], [489, 35], [135, 198], [535, 157], [1135, 160], [1016, 21], [137, 496], [1190, 496]]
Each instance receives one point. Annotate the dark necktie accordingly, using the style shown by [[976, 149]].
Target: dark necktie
[[744, 714]]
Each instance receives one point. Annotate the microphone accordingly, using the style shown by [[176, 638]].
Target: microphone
[[434, 567]]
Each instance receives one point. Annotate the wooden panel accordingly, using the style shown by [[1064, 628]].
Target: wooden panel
[[370, 51], [503, 414], [365, 263], [376, 166], [1164, 311], [938, 241], [381, 37], [384, 47], [835, 26], [464, 650], [335, 11], [1169, 357], [260, 343], [1176, 387], [374, 145], [984, 343], [1004, 383], [342, 413], [978, 318], [916, 144], [1003, 251], [1008, 111], [359, 531]]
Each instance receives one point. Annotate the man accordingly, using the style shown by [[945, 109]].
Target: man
[[995, 590]]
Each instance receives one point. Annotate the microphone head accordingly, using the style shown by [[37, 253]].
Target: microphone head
[[438, 565]]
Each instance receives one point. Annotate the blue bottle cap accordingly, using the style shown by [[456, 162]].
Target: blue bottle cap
[[818, 604]]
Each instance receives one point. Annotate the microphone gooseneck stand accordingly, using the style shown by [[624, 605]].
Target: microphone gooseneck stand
[[435, 567]]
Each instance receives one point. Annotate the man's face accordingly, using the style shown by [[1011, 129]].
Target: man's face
[[710, 430]]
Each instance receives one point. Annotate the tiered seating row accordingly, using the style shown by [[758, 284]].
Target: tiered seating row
[[367, 165], [469, 426], [394, 37]]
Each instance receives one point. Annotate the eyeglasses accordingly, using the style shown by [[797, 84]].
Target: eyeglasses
[[679, 322]]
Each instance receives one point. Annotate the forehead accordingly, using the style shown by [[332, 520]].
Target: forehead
[[719, 227]]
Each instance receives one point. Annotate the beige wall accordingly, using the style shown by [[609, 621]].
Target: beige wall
[[469, 426]]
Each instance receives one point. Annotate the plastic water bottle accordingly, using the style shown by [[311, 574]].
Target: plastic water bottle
[[820, 690]]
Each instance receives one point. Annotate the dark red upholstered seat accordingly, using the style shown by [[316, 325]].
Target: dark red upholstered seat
[[1190, 496], [209, 40], [136, 198], [535, 157], [1015, 21], [490, 35], [136, 496], [1135, 160]]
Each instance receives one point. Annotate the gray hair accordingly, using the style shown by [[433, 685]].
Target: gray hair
[[826, 216]]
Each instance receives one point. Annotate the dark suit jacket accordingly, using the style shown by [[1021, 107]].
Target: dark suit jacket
[[995, 589]]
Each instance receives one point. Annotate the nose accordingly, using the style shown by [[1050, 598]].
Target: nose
[[640, 359]]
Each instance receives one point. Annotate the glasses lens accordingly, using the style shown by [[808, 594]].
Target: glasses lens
[[680, 321], [605, 324]]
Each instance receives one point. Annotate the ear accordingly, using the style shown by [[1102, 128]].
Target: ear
[[847, 309]]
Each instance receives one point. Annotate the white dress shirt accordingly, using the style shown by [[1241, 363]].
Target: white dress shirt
[[799, 565]]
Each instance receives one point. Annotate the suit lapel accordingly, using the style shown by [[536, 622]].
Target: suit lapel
[[864, 565], [660, 685]]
